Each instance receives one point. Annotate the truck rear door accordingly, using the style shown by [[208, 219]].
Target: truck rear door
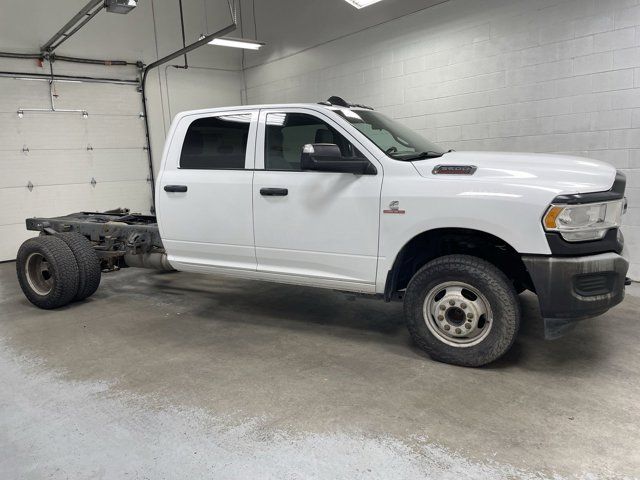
[[204, 193]]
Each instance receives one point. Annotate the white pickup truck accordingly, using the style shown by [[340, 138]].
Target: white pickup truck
[[338, 196]]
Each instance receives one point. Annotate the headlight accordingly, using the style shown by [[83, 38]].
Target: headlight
[[589, 221]]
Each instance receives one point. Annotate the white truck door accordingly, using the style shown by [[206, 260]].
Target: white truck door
[[321, 226], [204, 193]]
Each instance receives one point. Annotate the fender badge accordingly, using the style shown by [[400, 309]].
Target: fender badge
[[454, 169], [394, 207]]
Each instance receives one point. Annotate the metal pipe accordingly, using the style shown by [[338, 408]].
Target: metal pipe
[[63, 58], [70, 78], [152, 179], [193, 46], [47, 47], [184, 41], [93, 61], [52, 100], [157, 261], [143, 83], [21, 55], [66, 36]]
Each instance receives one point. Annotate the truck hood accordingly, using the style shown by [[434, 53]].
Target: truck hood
[[560, 174]]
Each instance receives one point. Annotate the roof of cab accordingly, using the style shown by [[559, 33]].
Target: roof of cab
[[333, 103]]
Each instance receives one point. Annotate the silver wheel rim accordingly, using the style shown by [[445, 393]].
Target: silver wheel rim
[[38, 275], [457, 314]]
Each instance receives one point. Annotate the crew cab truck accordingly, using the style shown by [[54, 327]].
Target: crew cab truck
[[339, 196]]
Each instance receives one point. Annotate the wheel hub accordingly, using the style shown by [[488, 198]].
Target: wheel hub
[[38, 274], [457, 313]]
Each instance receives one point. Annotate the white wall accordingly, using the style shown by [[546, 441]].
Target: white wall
[[527, 75], [147, 33]]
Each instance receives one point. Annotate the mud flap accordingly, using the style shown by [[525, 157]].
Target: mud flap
[[555, 328]]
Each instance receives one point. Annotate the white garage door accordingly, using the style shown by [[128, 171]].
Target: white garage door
[[58, 163]]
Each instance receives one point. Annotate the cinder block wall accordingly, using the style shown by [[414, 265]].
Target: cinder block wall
[[535, 75]]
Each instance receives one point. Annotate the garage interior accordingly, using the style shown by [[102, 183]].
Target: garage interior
[[174, 375]]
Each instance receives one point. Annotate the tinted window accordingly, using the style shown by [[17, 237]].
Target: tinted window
[[393, 138], [216, 143], [287, 133]]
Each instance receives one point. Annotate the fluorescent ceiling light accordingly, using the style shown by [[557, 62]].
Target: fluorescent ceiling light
[[120, 6], [236, 43], [362, 3]]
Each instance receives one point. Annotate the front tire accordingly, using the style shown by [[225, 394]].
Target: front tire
[[47, 272], [462, 310]]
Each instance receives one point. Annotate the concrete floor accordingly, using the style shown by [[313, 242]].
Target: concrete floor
[[188, 376]]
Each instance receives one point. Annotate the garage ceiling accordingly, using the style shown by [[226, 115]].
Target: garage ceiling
[[150, 31], [315, 22]]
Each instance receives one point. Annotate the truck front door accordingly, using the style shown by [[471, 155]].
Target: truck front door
[[204, 193], [322, 226]]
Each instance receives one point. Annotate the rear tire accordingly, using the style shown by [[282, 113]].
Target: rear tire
[[462, 310], [47, 272], [88, 262]]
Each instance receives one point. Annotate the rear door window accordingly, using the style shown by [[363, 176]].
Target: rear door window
[[216, 143]]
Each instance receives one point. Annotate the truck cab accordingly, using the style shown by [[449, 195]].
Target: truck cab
[[339, 196]]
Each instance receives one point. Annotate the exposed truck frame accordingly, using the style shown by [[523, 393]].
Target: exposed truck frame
[[119, 238]]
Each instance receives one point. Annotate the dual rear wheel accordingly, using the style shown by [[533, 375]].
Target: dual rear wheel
[[54, 270]]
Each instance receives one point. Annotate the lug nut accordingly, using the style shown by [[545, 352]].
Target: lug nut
[[447, 327], [458, 331], [463, 305], [467, 326], [442, 307], [469, 315], [441, 317], [452, 302]]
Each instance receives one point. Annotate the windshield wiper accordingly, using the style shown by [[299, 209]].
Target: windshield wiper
[[423, 155]]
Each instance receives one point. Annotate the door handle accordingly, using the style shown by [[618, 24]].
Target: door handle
[[175, 188], [274, 192]]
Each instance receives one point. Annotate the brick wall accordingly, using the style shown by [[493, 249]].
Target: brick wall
[[535, 75]]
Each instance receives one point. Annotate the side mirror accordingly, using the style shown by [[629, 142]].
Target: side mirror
[[326, 157]]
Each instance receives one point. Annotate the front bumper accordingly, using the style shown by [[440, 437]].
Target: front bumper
[[574, 288]]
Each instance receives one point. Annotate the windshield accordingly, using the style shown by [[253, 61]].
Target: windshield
[[393, 138]]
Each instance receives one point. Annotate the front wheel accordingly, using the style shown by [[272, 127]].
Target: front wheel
[[462, 310]]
